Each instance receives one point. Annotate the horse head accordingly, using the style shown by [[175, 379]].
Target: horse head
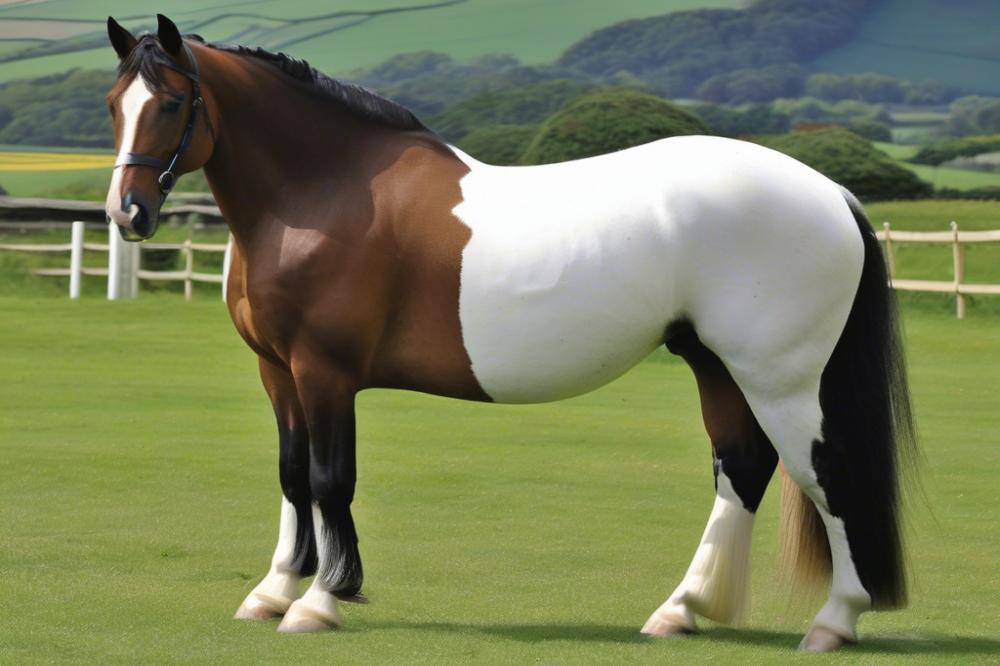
[[162, 129]]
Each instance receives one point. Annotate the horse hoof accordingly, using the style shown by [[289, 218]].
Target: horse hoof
[[259, 606], [667, 625], [301, 619], [821, 639]]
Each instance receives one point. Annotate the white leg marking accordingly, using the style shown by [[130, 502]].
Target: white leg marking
[[133, 101], [792, 425], [280, 586], [317, 609], [716, 582]]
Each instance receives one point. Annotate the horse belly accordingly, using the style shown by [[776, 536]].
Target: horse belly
[[556, 306]]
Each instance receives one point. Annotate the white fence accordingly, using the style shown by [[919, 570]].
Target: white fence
[[956, 239], [124, 271], [124, 266]]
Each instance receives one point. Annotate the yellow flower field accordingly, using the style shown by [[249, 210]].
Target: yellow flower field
[[38, 161]]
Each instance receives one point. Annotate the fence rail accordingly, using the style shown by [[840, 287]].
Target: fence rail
[[956, 238], [123, 270]]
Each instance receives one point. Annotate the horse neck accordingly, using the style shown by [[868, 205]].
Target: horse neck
[[278, 145]]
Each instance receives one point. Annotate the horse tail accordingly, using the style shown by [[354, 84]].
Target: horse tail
[[868, 426]]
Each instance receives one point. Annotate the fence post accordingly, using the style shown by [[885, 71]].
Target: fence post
[[227, 261], [76, 259], [889, 252], [959, 263], [188, 269], [123, 266]]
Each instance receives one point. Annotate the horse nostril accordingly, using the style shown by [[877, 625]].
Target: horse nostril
[[140, 222]]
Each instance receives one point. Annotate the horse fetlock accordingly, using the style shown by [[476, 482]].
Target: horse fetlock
[[673, 618], [271, 598], [316, 611]]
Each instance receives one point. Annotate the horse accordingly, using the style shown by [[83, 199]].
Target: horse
[[369, 253]]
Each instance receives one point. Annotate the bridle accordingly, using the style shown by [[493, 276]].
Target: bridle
[[168, 178]]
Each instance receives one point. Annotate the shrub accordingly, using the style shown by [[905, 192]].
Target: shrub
[[502, 145], [607, 121], [851, 161]]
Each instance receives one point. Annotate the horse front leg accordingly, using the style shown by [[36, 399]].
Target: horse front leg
[[295, 554], [328, 399]]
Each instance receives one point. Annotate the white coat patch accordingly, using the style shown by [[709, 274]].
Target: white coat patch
[[573, 271]]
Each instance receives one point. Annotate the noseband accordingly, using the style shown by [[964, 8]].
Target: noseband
[[168, 178]]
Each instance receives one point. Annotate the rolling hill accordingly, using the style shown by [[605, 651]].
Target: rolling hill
[[955, 42], [50, 36]]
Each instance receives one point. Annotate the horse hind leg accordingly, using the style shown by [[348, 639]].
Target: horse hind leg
[[716, 582]]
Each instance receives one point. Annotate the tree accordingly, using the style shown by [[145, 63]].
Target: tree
[[851, 161], [607, 121]]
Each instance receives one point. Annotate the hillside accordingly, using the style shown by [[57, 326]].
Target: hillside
[[52, 36], [955, 42]]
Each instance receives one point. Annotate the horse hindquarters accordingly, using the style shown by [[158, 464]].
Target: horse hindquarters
[[836, 430]]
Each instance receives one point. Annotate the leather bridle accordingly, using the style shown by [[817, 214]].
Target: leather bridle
[[168, 178]]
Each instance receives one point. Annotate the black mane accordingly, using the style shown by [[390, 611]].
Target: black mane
[[148, 56]]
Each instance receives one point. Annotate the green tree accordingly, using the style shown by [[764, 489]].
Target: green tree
[[851, 161], [502, 145], [607, 121]]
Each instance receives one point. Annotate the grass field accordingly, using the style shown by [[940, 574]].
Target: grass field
[[139, 502], [533, 31], [956, 43]]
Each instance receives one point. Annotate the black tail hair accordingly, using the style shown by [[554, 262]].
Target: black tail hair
[[869, 437]]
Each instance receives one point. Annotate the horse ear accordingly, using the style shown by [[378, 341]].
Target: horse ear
[[169, 35], [121, 39]]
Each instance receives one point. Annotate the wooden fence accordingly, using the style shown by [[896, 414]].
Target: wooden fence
[[956, 239], [124, 262], [124, 272]]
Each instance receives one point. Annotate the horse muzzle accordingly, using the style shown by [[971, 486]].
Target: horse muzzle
[[134, 220]]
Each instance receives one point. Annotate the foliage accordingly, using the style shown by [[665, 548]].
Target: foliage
[[680, 51], [946, 150], [851, 161], [870, 129], [876, 88], [606, 121], [530, 103], [61, 110], [988, 193], [438, 82], [502, 144], [812, 110], [753, 85], [741, 121], [974, 115]]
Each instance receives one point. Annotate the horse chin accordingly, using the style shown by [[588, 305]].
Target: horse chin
[[132, 236]]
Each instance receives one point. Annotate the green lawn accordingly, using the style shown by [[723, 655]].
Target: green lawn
[[139, 503]]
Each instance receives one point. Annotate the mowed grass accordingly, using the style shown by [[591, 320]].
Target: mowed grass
[[139, 504]]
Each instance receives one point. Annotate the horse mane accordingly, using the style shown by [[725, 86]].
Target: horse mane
[[148, 56]]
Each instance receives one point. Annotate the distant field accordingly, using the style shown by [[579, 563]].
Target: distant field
[[359, 36], [957, 43], [40, 161], [949, 177]]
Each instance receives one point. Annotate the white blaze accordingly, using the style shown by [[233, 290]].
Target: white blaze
[[133, 101]]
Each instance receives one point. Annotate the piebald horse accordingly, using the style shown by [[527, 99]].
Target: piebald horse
[[369, 253]]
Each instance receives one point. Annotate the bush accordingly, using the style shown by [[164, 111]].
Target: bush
[[869, 129], [946, 150], [741, 121], [851, 161], [502, 145], [607, 121]]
